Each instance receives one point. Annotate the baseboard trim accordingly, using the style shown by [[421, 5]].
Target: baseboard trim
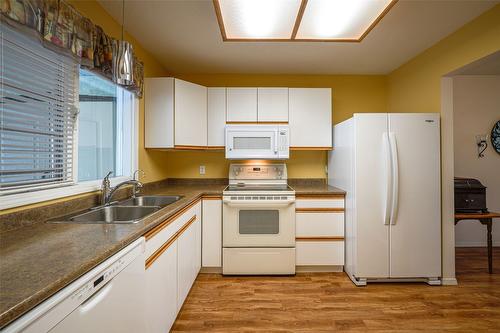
[[319, 269], [449, 282], [211, 270], [475, 244]]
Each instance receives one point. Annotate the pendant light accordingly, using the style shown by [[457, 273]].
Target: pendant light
[[123, 59]]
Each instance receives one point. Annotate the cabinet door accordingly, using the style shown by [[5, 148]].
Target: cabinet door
[[310, 117], [242, 104], [161, 292], [190, 114], [216, 116], [212, 233], [272, 104], [159, 112], [187, 255]]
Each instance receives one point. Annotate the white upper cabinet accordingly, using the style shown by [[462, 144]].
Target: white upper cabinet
[[216, 116], [190, 114], [175, 113], [185, 115], [241, 104], [272, 105], [159, 112], [310, 117]]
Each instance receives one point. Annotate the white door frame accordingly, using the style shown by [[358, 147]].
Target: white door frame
[[447, 187]]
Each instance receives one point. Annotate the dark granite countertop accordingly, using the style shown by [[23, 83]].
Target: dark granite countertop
[[316, 189], [39, 259]]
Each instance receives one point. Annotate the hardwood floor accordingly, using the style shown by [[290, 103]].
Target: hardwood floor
[[328, 302]]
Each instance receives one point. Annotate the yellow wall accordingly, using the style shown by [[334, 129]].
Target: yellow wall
[[185, 164], [152, 162], [350, 94], [415, 86]]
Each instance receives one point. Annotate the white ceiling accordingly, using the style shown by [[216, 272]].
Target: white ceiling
[[185, 37]]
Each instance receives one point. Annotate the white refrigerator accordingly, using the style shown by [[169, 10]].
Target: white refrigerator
[[389, 165]]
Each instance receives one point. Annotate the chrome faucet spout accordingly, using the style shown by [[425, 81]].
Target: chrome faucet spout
[[137, 184]]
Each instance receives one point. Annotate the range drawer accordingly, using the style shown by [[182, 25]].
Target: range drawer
[[257, 261], [319, 224], [310, 253]]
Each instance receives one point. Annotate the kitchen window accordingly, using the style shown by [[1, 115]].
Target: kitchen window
[[105, 122], [61, 128]]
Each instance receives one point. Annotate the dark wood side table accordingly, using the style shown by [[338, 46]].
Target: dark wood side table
[[485, 219]]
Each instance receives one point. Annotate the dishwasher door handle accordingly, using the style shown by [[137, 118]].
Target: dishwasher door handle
[[96, 298]]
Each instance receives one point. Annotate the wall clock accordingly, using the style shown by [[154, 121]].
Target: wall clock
[[495, 137]]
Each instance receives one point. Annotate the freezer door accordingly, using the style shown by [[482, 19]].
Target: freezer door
[[415, 231], [371, 233]]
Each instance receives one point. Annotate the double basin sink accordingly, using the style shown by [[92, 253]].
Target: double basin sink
[[128, 211]]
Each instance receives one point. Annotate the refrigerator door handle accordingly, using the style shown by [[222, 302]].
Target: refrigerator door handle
[[388, 178], [395, 177]]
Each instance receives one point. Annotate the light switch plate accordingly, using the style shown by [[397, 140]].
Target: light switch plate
[[202, 169]]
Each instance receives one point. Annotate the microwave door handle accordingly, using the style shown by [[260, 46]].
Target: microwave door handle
[[276, 143]]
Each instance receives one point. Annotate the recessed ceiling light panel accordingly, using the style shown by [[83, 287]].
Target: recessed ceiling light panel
[[258, 19], [340, 19]]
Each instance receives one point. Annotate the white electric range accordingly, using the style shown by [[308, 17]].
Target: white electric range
[[258, 221]]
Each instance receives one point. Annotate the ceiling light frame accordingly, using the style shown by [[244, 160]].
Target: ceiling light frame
[[296, 26]]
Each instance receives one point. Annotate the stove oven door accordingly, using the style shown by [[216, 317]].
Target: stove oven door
[[259, 223]]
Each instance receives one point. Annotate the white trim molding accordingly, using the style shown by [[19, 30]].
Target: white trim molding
[[449, 282], [27, 198]]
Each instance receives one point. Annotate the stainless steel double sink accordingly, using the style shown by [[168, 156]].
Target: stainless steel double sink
[[128, 211]]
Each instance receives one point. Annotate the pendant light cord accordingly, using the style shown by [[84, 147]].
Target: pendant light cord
[[123, 16]]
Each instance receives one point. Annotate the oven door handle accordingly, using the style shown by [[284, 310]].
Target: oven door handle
[[259, 203]]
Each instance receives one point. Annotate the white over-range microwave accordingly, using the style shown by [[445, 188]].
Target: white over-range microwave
[[257, 142]]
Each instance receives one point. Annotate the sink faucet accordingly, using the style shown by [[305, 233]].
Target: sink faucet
[[107, 191]]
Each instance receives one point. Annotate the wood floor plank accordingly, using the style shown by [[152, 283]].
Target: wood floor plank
[[329, 302]]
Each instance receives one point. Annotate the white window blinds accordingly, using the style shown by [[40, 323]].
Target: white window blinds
[[38, 101]]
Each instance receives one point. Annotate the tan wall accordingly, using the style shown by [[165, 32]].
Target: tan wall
[[476, 108]]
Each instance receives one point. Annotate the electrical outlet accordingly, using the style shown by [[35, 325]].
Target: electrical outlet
[[202, 169]]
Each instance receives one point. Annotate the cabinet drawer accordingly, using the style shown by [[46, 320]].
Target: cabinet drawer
[[164, 234], [320, 203], [319, 224], [319, 253]]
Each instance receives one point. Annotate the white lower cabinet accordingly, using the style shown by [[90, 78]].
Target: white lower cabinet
[[319, 253], [161, 291], [212, 233], [319, 231], [188, 261], [173, 261]]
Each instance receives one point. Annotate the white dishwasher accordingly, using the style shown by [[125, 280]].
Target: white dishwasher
[[109, 298]]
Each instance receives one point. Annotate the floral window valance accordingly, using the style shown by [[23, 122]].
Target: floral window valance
[[62, 28]]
